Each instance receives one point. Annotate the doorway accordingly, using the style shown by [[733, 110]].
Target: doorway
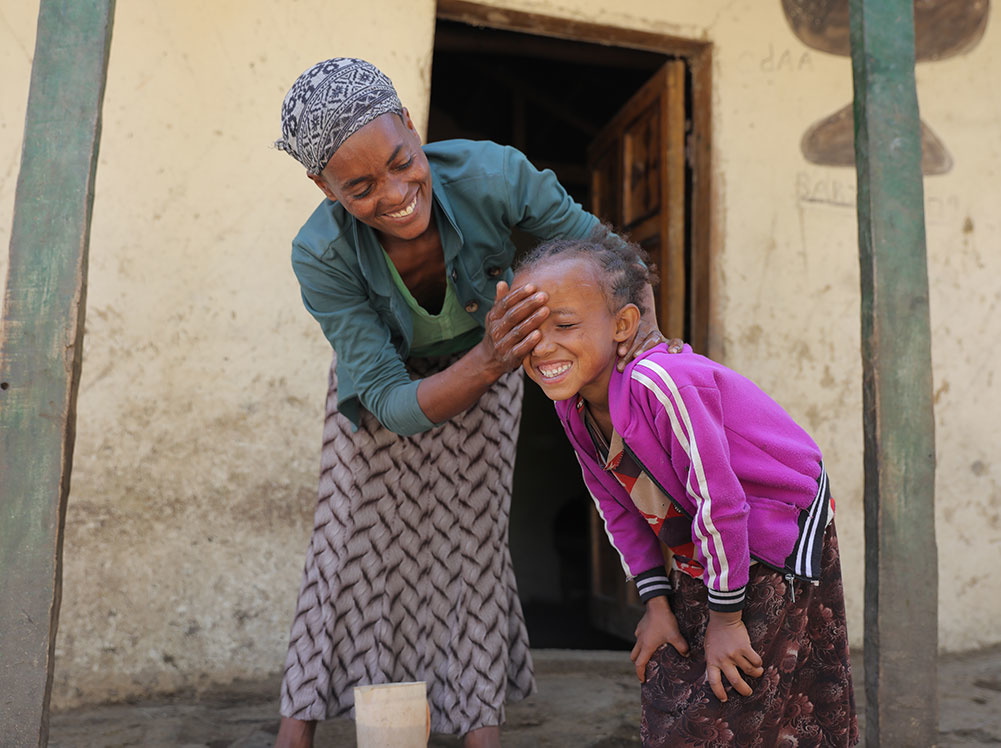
[[553, 99]]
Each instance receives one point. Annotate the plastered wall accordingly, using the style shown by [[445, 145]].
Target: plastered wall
[[200, 410], [200, 407]]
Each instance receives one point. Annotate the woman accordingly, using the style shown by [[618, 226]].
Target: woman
[[405, 266]]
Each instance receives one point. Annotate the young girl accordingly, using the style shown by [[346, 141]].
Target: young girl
[[681, 450]]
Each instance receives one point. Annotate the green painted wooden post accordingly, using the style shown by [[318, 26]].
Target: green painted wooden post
[[41, 334], [901, 582]]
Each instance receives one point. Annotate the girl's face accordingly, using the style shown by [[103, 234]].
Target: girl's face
[[580, 336], [381, 176]]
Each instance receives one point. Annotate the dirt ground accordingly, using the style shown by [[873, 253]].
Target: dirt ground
[[586, 699]]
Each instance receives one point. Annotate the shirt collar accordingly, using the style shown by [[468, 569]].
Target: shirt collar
[[369, 253], [615, 450], [441, 199]]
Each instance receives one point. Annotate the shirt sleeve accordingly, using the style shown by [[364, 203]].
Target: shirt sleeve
[[689, 420], [653, 583], [363, 344], [628, 531], [538, 203]]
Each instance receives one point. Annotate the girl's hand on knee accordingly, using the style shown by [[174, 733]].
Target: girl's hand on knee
[[728, 652], [657, 627]]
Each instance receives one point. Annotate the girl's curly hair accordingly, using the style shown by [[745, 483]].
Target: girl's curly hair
[[622, 265]]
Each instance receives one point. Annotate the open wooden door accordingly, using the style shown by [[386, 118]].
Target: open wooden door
[[638, 176]]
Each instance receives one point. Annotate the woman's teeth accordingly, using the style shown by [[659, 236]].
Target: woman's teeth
[[406, 211], [554, 370]]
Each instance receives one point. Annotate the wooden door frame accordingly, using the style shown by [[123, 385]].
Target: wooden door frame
[[645, 137], [698, 56]]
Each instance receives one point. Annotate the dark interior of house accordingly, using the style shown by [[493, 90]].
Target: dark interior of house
[[549, 98]]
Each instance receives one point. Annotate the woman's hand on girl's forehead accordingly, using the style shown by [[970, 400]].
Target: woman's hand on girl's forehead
[[512, 324]]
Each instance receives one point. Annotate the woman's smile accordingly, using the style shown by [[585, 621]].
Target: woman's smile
[[407, 211], [382, 177]]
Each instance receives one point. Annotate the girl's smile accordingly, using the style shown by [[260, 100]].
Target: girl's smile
[[553, 371]]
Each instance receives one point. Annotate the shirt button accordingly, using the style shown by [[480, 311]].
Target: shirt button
[[472, 306], [455, 274], [493, 272]]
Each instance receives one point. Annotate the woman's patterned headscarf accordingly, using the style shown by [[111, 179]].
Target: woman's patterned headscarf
[[328, 103]]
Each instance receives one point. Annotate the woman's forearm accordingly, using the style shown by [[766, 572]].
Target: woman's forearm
[[511, 332], [449, 392]]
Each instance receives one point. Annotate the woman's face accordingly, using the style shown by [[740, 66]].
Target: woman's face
[[381, 176]]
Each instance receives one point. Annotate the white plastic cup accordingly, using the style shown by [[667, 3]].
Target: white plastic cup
[[392, 715]]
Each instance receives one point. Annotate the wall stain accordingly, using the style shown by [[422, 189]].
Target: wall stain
[[941, 391], [752, 335]]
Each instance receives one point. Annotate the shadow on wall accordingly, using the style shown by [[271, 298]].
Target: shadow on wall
[[942, 29]]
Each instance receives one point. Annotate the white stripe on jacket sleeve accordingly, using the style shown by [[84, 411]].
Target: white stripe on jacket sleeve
[[604, 523], [712, 536]]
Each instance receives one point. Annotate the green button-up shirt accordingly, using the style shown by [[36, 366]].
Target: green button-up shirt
[[481, 191]]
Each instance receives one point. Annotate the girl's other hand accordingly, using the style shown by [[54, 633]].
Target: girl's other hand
[[728, 651], [657, 627], [511, 325]]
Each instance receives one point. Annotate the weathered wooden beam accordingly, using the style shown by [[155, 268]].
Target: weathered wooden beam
[[41, 333], [480, 40], [901, 582]]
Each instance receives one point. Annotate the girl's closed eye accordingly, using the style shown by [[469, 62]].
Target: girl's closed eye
[[405, 165], [565, 325]]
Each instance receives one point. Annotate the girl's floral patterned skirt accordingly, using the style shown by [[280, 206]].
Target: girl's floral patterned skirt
[[805, 696]]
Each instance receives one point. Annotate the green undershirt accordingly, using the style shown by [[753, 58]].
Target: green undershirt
[[450, 331]]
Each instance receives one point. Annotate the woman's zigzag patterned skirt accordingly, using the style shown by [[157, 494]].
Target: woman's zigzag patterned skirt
[[408, 575]]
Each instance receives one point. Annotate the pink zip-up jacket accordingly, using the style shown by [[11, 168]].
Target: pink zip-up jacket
[[725, 454]]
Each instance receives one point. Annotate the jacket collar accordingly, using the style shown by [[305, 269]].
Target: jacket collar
[[618, 399], [624, 421], [628, 421], [451, 248], [368, 250]]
